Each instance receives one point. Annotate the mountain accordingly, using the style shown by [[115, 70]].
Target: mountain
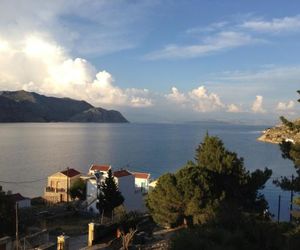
[[23, 106]]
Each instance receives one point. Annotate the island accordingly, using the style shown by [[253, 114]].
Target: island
[[23, 106]]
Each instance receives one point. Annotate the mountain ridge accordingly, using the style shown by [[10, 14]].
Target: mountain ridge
[[23, 106]]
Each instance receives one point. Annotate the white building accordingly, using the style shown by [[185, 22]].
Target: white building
[[22, 201], [99, 168], [142, 181], [133, 201]]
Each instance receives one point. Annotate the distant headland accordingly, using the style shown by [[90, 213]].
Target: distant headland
[[23, 106], [280, 133]]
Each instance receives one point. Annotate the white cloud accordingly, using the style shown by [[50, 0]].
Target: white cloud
[[218, 42], [176, 96], [41, 65], [93, 27], [257, 106], [275, 25], [209, 28], [198, 99], [204, 101], [284, 106], [232, 108]]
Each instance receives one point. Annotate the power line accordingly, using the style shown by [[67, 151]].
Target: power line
[[22, 182]]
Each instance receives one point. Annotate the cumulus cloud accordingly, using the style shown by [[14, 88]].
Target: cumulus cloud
[[204, 101], [38, 64], [275, 25], [198, 99], [285, 106], [218, 42], [257, 106], [83, 26], [232, 108], [176, 96]]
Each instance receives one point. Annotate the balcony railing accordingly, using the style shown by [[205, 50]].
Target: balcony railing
[[55, 190]]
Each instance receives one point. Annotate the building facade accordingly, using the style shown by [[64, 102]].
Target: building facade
[[133, 201], [58, 185], [141, 181]]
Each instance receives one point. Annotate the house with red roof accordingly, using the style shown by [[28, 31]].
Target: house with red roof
[[103, 168], [58, 185], [141, 181], [133, 201]]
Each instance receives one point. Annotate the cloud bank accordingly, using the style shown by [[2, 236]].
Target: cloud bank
[[37, 64]]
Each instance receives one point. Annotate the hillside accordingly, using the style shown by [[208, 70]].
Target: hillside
[[23, 106], [280, 133]]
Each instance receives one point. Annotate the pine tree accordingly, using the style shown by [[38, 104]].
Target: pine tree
[[78, 190], [197, 191], [290, 151], [111, 196]]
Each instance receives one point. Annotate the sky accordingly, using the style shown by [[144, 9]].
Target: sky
[[155, 60]]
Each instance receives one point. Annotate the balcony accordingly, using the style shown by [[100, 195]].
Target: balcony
[[55, 190]]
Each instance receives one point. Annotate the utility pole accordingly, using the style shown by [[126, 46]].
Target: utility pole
[[278, 212], [67, 185], [17, 227], [292, 197]]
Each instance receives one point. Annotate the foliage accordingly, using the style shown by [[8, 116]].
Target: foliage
[[197, 190], [7, 214], [110, 197], [290, 151], [291, 125], [246, 234], [78, 190]]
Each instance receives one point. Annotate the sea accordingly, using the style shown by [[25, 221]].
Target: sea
[[29, 152]]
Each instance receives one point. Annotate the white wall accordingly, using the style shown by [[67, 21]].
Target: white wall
[[132, 200], [139, 182], [24, 203]]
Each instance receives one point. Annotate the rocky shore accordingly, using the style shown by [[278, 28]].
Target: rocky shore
[[278, 134]]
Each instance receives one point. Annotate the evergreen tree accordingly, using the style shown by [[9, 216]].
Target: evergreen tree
[[291, 151], [7, 214], [165, 202], [110, 196], [78, 190], [198, 190]]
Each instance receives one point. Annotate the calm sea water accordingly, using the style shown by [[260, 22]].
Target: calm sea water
[[32, 151]]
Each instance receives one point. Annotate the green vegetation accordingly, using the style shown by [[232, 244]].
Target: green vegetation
[[217, 180], [110, 197], [220, 202], [78, 190], [7, 214], [246, 234], [291, 151], [293, 126]]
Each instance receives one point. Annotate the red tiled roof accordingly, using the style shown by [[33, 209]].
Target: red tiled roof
[[121, 173], [17, 197], [141, 175], [71, 172], [103, 168]]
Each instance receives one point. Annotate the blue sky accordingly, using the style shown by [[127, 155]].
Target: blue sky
[[155, 60]]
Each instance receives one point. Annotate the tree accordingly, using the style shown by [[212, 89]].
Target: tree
[[78, 190], [290, 151], [165, 202], [110, 196], [293, 126], [7, 214], [197, 191]]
